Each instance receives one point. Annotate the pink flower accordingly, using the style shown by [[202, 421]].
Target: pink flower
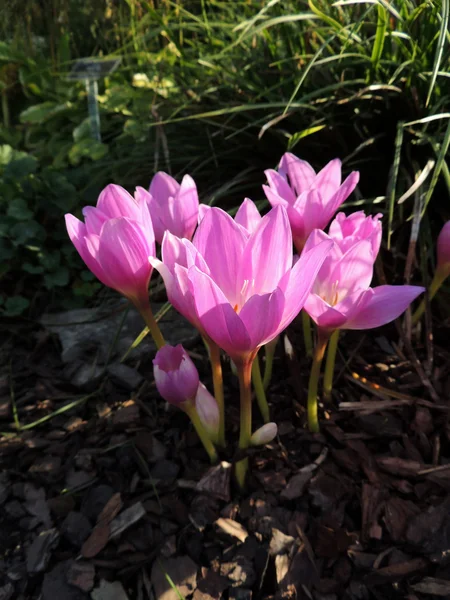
[[176, 376], [239, 289], [310, 199], [443, 249], [173, 207], [342, 298], [347, 231], [115, 242], [247, 216]]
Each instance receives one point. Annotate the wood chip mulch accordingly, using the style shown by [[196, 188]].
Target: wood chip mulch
[[113, 499]]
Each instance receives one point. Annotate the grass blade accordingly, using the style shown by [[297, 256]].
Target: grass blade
[[440, 46], [393, 180]]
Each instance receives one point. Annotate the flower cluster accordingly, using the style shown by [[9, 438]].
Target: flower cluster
[[237, 280]]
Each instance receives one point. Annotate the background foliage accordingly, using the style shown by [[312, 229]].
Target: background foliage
[[219, 89]]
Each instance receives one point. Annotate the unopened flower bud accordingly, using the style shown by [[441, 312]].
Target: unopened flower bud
[[264, 435], [176, 376], [208, 411]]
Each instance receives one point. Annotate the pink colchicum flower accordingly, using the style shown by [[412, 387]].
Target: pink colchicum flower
[[173, 206], [347, 231], [443, 250], [176, 376], [208, 411], [247, 216], [239, 289], [342, 298], [310, 199], [115, 242]]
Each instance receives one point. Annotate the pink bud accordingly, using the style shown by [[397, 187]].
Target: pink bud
[[443, 249], [176, 376], [264, 434], [207, 410]]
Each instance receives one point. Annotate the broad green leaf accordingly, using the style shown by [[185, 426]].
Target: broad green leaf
[[18, 209]]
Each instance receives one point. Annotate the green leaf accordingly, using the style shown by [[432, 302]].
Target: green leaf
[[39, 113], [82, 131], [87, 148], [15, 305], [33, 269], [24, 232], [18, 209], [58, 278], [20, 168], [7, 154]]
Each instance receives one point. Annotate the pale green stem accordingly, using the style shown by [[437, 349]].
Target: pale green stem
[[307, 333], [439, 277], [259, 390], [216, 369], [245, 389], [329, 365], [319, 351], [201, 432], [269, 350], [147, 314]]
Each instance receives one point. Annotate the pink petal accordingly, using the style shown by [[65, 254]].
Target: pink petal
[[443, 247], [334, 255], [262, 317], [324, 315], [141, 195], [341, 194], [162, 186], [185, 209], [77, 232], [382, 305], [301, 174], [298, 282], [310, 205], [328, 179], [116, 202], [94, 219], [279, 187], [221, 242], [202, 210], [182, 252], [248, 215], [354, 270], [217, 316], [123, 255], [268, 254]]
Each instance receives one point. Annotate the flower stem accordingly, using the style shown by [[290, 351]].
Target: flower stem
[[307, 333], [259, 390], [319, 351], [150, 321], [245, 389], [329, 365], [201, 432], [269, 349], [216, 369], [438, 279]]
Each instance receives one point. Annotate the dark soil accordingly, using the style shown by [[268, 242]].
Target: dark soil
[[113, 498]]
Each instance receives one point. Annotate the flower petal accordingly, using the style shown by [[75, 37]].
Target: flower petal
[[186, 208], [301, 174], [248, 216], [278, 187], [162, 186], [114, 201], [324, 315], [217, 316], [154, 210], [123, 254], [221, 242], [78, 234], [268, 254], [328, 179], [94, 219], [354, 270], [297, 283], [262, 317], [382, 305], [341, 194]]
